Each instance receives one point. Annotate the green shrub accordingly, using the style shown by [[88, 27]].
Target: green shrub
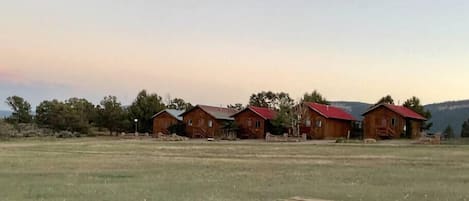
[[179, 129], [6, 130], [341, 140], [64, 134]]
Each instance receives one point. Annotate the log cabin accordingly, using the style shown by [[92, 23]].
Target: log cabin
[[386, 121], [254, 122], [204, 121], [164, 119], [321, 121]]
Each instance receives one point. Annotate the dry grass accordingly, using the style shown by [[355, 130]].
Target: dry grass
[[111, 169]]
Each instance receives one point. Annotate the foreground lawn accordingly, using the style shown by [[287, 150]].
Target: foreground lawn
[[103, 169]]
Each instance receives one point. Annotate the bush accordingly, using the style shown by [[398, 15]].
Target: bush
[[341, 140], [172, 138], [6, 131], [278, 130], [64, 134], [29, 133], [179, 129]]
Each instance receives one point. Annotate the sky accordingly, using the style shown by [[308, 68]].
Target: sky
[[218, 52]]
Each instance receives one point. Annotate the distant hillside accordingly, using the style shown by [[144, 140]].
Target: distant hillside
[[452, 113], [4, 113], [354, 108]]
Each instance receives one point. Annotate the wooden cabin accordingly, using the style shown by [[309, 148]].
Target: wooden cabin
[[254, 122], [204, 121], [386, 121], [325, 122], [164, 119]]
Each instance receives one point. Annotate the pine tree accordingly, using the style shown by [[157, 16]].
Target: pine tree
[[415, 105], [448, 133], [315, 97], [465, 129], [386, 100]]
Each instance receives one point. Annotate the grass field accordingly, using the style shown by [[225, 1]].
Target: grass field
[[112, 169]]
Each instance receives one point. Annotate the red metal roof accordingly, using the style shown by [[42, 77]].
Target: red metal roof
[[401, 110], [331, 111], [265, 113]]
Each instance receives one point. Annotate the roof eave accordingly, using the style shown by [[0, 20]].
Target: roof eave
[[248, 108], [384, 105], [311, 107], [163, 111]]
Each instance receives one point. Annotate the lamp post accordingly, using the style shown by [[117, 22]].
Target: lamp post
[[136, 126]]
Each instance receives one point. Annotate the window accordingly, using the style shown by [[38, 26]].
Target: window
[[308, 122], [258, 124], [319, 123], [249, 123], [358, 125], [210, 123], [393, 122], [189, 122]]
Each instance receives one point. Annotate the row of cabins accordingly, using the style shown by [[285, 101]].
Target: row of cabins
[[318, 121]]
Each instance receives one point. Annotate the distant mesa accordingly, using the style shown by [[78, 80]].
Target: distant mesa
[[4, 113]]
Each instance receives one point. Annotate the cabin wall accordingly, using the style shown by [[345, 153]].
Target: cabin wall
[[200, 124], [336, 128], [249, 130], [416, 128], [327, 129], [162, 122], [383, 117]]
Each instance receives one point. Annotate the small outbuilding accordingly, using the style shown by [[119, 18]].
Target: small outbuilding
[[204, 121], [164, 119], [387, 121], [254, 122], [321, 121]]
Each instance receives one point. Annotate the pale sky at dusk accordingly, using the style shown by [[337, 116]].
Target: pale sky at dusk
[[220, 52]]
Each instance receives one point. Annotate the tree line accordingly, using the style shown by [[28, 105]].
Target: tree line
[[80, 115]]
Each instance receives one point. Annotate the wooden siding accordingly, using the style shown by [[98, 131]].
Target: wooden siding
[[246, 121], [200, 124], [327, 129], [382, 119], [162, 122]]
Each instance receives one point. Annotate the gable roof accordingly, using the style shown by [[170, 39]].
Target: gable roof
[[330, 112], [263, 112], [216, 112], [401, 110], [172, 112]]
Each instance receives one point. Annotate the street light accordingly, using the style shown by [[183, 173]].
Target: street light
[[136, 125]]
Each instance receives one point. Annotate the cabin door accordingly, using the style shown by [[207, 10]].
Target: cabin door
[[408, 128], [318, 129]]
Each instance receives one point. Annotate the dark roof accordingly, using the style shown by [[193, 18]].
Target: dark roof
[[216, 112], [263, 112], [401, 110], [172, 112], [330, 112]]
